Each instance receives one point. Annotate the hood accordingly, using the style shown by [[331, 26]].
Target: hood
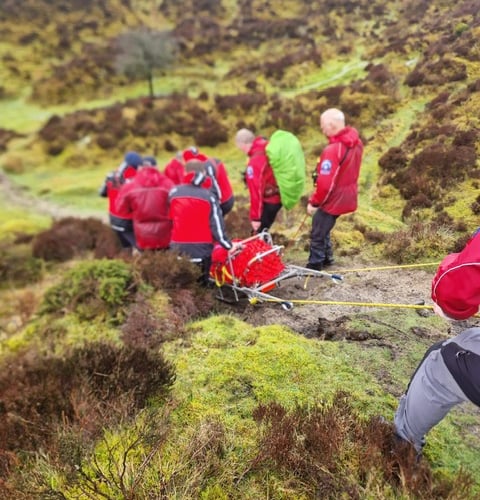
[[149, 177], [258, 145], [348, 136]]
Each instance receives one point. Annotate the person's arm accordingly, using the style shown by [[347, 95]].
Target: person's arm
[[175, 171], [103, 190], [253, 178], [210, 170], [224, 181], [327, 168], [217, 224], [122, 202]]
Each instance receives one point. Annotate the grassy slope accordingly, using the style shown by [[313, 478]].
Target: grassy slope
[[229, 366]]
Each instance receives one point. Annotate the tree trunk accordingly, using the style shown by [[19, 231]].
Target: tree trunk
[[150, 85]]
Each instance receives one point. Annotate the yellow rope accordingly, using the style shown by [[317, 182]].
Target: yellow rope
[[255, 300], [340, 303], [403, 266]]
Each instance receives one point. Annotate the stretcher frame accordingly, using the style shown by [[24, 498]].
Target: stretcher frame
[[260, 292]]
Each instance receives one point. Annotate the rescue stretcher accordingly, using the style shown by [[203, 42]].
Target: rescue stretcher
[[255, 270]]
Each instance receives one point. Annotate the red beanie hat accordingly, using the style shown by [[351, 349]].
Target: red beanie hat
[[192, 153]]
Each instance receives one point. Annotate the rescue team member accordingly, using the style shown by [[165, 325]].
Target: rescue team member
[[336, 185], [215, 169], [265, 201], [121, 221], [449, 373], [197, 220], [175, 169], [146, 199]]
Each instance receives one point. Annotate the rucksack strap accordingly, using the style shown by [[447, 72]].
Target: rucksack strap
[[464, 365]]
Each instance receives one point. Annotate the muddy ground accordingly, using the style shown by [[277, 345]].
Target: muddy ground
[[364, 283]]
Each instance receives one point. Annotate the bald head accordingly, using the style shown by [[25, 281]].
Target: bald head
[[244, 139], [332, 121]]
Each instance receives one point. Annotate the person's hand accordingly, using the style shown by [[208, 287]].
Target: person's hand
[[255, 225], [311, 209], [236, 247], [439, 311]]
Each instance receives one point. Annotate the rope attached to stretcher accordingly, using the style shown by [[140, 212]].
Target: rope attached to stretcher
[[254, 300], [382, 268]]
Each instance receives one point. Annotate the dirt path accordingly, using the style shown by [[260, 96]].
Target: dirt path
[[13, 194], [392, 288]]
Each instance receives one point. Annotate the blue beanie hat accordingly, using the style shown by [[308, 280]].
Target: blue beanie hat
[[133, 158], [150, 161]]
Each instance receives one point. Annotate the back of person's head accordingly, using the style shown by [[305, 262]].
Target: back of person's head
[[133, 159], [195, 166], [332, 121], [149, 161], [192, 153], [244, 138]]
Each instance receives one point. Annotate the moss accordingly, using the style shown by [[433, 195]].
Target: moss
[[18, 267], [349, 242], [91, 289], [230, 367], [56, 335]]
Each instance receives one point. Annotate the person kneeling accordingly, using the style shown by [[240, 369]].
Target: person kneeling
[[197, 220]]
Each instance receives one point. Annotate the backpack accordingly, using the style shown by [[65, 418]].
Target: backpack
[[286, 157]]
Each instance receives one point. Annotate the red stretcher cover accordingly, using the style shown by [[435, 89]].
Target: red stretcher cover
[[254, 265]]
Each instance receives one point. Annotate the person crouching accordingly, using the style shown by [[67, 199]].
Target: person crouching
[[197, 220]]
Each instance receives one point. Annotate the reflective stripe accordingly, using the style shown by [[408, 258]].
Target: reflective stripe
[[218, 218]]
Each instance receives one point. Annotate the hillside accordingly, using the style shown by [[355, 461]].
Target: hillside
[[119, 377]]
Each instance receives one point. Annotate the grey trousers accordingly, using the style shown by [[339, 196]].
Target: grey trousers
[[432, 393]]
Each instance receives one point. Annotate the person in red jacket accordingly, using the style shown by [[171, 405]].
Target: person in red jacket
[[175, 169], [336, 184], [265, 201], [146, 199], [456, 285], [197, 220], [121, 221], [449, 373], [215, 169]]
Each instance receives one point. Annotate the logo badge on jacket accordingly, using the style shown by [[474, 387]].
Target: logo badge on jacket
[[325, 167], [249, 172]]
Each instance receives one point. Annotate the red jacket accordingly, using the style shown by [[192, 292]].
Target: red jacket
[[338, 169], [197, 219], [175, 171], [221, 182], [260, 180], [113, 183], [456, 285], [146, 200]]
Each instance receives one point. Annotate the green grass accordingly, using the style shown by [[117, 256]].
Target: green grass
[[332, 72], [230, 367], [17, 220]]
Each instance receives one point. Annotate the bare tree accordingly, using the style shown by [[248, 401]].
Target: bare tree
[[143, 51]]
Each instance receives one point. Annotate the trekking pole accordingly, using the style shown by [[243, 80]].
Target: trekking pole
[[299, 227]]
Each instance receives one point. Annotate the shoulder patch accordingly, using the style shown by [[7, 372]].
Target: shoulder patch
[[325, 167], [249, 172]]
